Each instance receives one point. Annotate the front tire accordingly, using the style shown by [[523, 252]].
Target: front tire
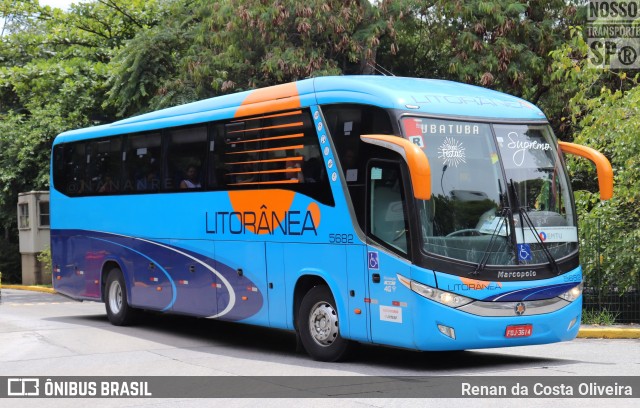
[[118, 310], [319, 327]]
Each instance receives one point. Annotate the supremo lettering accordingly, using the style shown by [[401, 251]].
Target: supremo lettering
[[264, 222]]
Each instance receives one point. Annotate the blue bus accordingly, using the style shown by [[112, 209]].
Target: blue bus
[[414, 213]]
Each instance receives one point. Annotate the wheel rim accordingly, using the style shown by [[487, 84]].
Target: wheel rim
[[115, 297], [323, 324]]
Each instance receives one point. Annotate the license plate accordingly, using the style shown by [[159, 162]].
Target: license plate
[[521, 330]]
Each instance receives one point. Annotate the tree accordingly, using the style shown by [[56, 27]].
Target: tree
[[499, 44], [52, 79], [603, 113], [208, 48]]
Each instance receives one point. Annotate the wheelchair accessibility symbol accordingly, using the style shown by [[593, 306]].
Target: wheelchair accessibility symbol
[[373, 260], [524, 252]]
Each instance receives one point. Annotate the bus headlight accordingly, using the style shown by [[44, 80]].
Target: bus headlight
[[440, 296], [573, 293]]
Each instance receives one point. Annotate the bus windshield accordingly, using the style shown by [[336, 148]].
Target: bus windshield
[[500, 193]]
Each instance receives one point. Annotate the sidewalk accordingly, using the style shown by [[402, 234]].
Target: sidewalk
[[587, 331]]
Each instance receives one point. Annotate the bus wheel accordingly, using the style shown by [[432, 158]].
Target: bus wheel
[[318, 326], [118, 310]]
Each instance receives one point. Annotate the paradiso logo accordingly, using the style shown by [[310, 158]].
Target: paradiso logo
[[264, 212]]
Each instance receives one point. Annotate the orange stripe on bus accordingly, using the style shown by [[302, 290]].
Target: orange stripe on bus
[[286, 125], [265, 139], [273, 149], [289, 170], [277, 115], [264, 182], [284, 159], [274, 98]]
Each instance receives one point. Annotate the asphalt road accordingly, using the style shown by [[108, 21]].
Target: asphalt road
[[44, 334]]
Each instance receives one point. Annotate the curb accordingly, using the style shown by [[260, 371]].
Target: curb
[[31, 288], [586, 332], [608, 333]]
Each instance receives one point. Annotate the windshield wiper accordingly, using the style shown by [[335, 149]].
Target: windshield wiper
[[506, 212], [522, 211]]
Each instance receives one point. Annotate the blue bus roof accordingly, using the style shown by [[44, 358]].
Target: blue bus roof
[[420, 96]]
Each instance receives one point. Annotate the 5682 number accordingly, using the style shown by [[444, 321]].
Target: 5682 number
[[341, 238]]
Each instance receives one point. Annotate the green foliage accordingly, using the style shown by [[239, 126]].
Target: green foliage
[[613, 127], [604, 115], [44, 257], [205, 48], [599, 317], [53, 69], [501, 44]]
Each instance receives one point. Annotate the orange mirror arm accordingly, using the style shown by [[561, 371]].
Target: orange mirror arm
[[414, 157], [603, 167]]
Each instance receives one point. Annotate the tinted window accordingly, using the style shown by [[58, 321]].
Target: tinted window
[[271, 151], [142, 163], [388, 217], [279, 150], [70, 168], [345, 124], [104, 166], [186, 152]]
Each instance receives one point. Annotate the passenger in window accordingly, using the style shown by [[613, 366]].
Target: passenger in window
[[192, 179], [294, 170]]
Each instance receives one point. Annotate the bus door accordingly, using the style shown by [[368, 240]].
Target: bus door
[[388, 232]]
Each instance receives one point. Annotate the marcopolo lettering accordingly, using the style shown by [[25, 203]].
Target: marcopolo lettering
[[516, 274], [263, 222]]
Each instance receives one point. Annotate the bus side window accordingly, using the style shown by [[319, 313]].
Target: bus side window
[[186, 151], [272, 151], [142, 163], [346, 123], [75, 156], [215, 168], [105, 167], [59, 170], [388, 220]]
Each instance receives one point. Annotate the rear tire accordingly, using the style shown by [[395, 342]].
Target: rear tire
[[318, 326], [118, 310]]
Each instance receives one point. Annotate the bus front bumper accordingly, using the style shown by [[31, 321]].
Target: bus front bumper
[[439, 327]]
